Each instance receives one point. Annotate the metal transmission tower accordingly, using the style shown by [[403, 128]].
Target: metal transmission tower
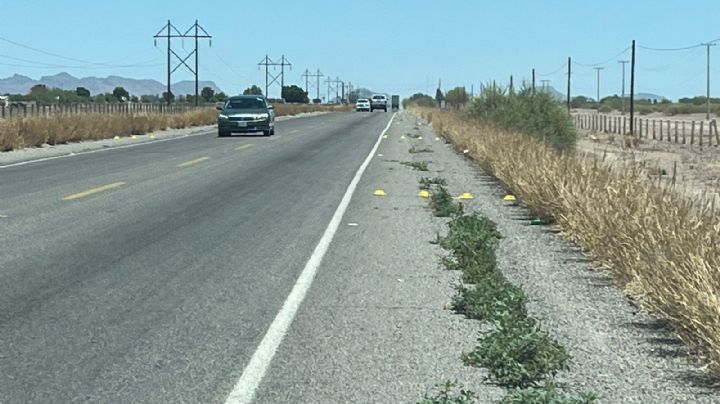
[[270, 78], [316, 85], [332, 85], [196, 32]]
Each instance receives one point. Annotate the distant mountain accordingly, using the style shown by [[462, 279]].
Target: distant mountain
[[553, 92], [18, 84]]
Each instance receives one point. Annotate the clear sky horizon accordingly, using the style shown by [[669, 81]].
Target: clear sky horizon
[[398, 47]]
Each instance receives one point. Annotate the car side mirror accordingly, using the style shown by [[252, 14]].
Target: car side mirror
[[219, 108], [271, 107]]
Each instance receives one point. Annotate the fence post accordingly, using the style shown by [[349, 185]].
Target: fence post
[[692, 133], [683, 132], [2, 111], [676, 132], [702, 123], [717, 137]]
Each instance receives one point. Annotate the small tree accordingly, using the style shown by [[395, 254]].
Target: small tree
[[457, 97], [121, 94], [294, 94], [168, 96], [439, 97], [82, 92], [221, 97], [253, 90], [207, 94], [38, 89]]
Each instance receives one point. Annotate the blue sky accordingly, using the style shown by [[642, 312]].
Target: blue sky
[[390, 46]]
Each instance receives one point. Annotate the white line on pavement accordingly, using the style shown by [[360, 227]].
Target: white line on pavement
[[245, 388]]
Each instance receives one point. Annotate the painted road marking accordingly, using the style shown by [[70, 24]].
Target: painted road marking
[[252, 375], [93, 191], [191, 162], [245, 146], [294, 131]]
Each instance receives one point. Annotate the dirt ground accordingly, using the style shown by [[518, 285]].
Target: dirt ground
[[697, 170]]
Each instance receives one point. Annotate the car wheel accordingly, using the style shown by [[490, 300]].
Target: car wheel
[[272, 132], [266, 133], [222, 133]]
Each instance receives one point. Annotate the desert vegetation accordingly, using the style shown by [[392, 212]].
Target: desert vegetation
[[36, 131], [660, 246]]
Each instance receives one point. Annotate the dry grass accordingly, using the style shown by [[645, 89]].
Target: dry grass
[[57, 129], [661, 246]]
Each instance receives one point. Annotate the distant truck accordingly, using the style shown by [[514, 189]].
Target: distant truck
[[395, 102], [378, 101]]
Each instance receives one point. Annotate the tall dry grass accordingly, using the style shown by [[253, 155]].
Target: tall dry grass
[[662, 247], [57, 129]]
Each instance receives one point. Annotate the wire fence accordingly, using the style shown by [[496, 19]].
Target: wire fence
[[13, 111], [700, 133]]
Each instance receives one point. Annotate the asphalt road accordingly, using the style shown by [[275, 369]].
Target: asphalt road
[[150, 274]]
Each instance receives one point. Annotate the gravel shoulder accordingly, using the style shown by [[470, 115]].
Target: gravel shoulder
[[69, 149], [619, 353], [375, 325]]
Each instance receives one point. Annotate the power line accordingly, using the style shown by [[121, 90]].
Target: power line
[[562, 66], [605, 61], [670, 49]]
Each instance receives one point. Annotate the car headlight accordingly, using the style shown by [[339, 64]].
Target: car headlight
[[262, 116], [222, 116]]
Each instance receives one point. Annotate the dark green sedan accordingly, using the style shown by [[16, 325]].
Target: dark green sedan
[[246, 114]]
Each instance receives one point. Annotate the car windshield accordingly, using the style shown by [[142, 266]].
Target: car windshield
[[246, 103]]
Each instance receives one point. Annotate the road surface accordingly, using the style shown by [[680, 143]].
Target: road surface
[[151, 273]]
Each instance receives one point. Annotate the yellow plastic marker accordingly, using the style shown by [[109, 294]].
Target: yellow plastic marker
[[402, 137], [466, 195], [152, 136], [424, 194], [379, 192], [133, 137], [509, 198], [384, 136], [419, 137], [466, 151], [116, 137]]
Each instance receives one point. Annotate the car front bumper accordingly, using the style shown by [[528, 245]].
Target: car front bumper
[[226, 125]]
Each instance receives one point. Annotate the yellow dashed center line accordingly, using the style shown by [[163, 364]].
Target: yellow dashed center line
[[93, 191], [245, 146], [191, 162]]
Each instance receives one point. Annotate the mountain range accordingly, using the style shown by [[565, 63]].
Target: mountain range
[[639, 96], [19, 84]]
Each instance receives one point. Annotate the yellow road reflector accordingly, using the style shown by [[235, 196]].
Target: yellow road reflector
[[402, 137], [191, 162], [116, 137], [245, 146], [466, 151], [133, 137], [437, 138], [466, 195], [384, 136], [424, 194], [509, 198], [93, 191], [152, 136], [419, 137], [379, 192]]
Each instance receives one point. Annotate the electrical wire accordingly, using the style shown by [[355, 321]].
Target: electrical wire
[[603, 62], [562, 66]]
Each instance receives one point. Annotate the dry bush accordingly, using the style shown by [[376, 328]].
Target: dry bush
[[58, 129], [662, 247]]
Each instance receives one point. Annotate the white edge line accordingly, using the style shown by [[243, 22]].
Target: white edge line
[[254, 371], [110, 147]]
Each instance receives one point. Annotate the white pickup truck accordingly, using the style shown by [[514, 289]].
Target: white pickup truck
[[378, 101]]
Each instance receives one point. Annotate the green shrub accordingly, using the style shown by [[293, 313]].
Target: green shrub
[[442, 203], [426, 183], [445, 395], [490, 299], [546, 395], [518, 353], [537, 114]]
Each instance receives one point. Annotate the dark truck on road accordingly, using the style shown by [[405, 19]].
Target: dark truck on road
[[395, 102]]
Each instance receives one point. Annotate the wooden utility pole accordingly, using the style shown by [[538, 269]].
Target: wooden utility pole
[[632, 89]]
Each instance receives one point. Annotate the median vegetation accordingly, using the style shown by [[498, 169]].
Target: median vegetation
[[661, 246], [516, 351]]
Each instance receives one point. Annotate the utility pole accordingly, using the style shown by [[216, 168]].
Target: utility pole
[[624, 62], [169, 31], [511, 83], [270, 78], [598, 87], [307, 75], [332, 85], [569, 74], [632, 89], [533, 80], [708, 45]]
